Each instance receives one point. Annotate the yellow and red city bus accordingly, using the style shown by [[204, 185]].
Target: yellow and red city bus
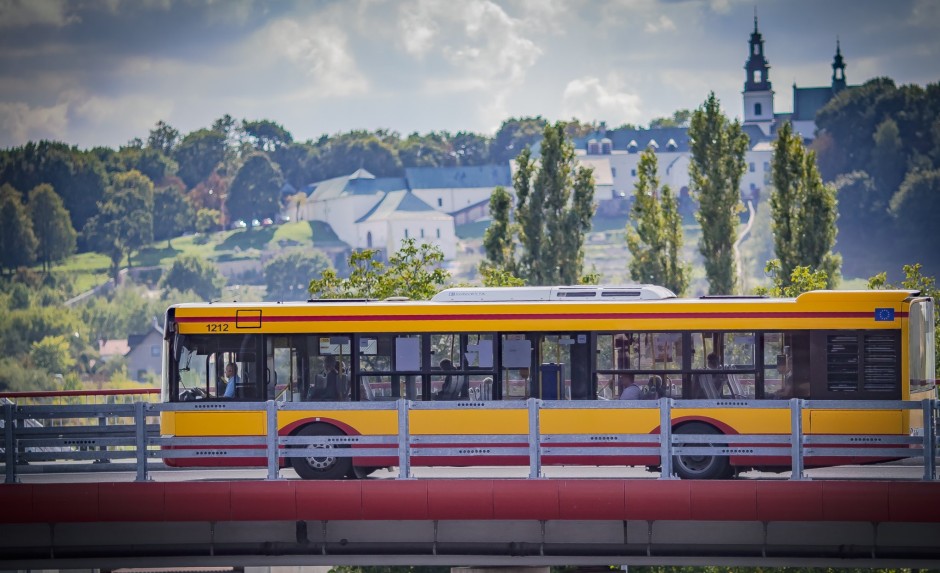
[[553, 343]]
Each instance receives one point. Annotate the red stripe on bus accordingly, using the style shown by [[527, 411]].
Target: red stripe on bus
[[557, 316]]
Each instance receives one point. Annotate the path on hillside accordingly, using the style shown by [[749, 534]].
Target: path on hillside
[[739, 265]]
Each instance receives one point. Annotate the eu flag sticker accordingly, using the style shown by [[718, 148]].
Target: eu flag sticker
[[884, 314]]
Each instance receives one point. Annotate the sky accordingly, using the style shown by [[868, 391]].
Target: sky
[[103, 72]]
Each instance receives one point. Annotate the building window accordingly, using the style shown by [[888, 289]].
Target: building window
[[406, 233], [422, 233], [141, 375], [369, 240], [757, 75], [438, 233], [757, 109], [154, 350], [633, 172], [751, 167], [766, 166], [756, 49], [613, 171], [440, 202]]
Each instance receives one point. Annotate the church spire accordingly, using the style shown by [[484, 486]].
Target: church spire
[[838, 69], [758, 70]]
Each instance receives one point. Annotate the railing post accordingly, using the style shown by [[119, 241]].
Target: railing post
[[535, 439], [140, 435], [665, 438], [270, 408], [930, 440], [404, 440], [796, 439], [9, 443]]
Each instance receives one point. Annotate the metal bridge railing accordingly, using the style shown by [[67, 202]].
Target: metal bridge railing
[[129, 438]]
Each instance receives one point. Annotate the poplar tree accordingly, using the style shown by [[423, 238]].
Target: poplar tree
[[554, 206], [803, 210], [655, 238], [716, 167], [498, 238], [56, 239]]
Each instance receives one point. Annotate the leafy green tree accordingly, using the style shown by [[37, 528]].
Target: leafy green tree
[[655, 238], [266, 135], [287, 276], [803, 209], [207, 220], [514, 135], [715, 169], [498, 277], [21, 328], [256, 191], [916, 208], [17, 241], [53, 354], [554, 206], [56, 239], [15, 376], [125, 219], [345, 153], [800, 280], [78, 177], [163, 138], [498, 237], [193, 273], [413, 271], [199, 154], [914, 280], [173, 214], [679, 119]]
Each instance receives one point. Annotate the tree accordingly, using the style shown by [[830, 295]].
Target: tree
[[916, 209], [78, 177], [198, 155], [193, 273], [52, 354], [125, 219], [800, 280], [288, 275], [17, 241], [498, 237], [256, 191], [413, 272], [514, 135], [54, 233], [554, 206], [163, 138], [803, 209], [715, 169], [174, 214], [266, 135], [655, 238]]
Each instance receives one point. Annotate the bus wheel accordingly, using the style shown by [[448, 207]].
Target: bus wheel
[[362, 472], [700, 466], [321, 465]]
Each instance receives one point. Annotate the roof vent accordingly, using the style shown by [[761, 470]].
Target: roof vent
[[578, 293]]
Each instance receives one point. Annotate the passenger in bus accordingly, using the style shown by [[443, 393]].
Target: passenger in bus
[[631, 390], [327, 383], [786, 390], [448, 390], [231, 380], [654, 388]]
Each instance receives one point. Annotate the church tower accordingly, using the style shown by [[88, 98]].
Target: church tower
[[758, 95], [838, 71]]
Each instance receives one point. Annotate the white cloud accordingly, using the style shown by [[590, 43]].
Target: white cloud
[[19, 13], [588, 99], [663, 24], [313, 47], [20, 122]]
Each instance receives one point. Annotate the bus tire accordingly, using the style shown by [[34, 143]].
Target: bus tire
[[701, 467], [321, 466], [362, 472]]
